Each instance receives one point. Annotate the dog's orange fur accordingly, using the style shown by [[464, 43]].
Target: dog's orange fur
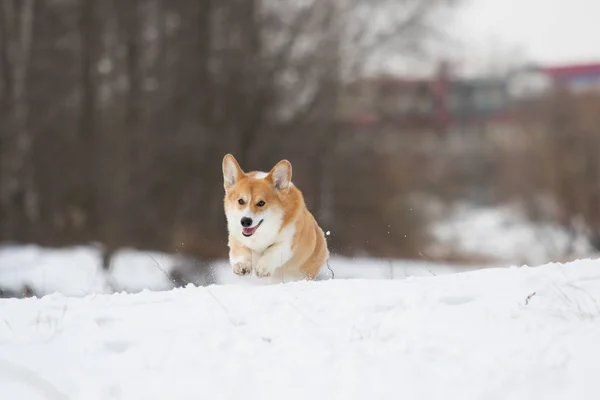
[[308, 245]]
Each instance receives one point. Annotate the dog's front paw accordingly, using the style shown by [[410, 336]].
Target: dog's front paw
[[242, 268], [261, 271]]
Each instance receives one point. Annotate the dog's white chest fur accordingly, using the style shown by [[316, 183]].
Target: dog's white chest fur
[[279, 251]]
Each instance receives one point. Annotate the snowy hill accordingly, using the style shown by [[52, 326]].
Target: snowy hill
[[516, 333]]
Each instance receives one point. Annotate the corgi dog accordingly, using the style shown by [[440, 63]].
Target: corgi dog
[[271, 231]]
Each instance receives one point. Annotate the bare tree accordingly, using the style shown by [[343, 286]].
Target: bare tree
[[18, 188], [115, 115], [390, 29]]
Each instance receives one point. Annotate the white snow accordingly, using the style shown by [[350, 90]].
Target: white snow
[[357, 268], [511, 333], [77, 272], [503, 234]]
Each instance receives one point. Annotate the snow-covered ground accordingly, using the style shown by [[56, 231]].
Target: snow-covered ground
[[506, 333], [503, 234], [77, 272]]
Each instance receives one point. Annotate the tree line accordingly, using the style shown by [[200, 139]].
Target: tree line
[[115, 115]]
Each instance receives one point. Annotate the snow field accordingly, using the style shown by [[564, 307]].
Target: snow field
[[512, 333]]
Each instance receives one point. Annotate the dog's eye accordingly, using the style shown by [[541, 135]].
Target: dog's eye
[[260, 203], [241, 202]]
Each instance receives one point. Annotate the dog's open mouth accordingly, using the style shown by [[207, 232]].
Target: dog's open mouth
[[250, 231]]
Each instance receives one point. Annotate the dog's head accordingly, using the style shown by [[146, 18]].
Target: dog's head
[[256, 202]]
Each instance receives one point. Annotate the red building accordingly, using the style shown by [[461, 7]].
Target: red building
[[436, 103], [579, 74], [536, 80]]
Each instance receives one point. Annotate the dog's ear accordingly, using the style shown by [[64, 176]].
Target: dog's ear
[[232, 172], [281, 175]]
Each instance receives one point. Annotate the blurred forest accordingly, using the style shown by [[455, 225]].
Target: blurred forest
[[115, 116]]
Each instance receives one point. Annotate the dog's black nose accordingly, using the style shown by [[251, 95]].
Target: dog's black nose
[[246, 222]]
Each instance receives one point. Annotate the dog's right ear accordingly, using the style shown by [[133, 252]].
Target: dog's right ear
[[232, 172]]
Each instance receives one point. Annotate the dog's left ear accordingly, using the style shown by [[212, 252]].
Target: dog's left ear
[[281, 175]]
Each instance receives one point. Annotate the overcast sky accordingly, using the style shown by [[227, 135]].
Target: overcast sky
[[547, 31], [492, 36]]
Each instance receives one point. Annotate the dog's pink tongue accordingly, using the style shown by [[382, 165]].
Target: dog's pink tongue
[[249, 231]]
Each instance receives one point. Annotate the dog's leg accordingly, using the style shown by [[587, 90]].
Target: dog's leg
[[240, 258], [274, 257]]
